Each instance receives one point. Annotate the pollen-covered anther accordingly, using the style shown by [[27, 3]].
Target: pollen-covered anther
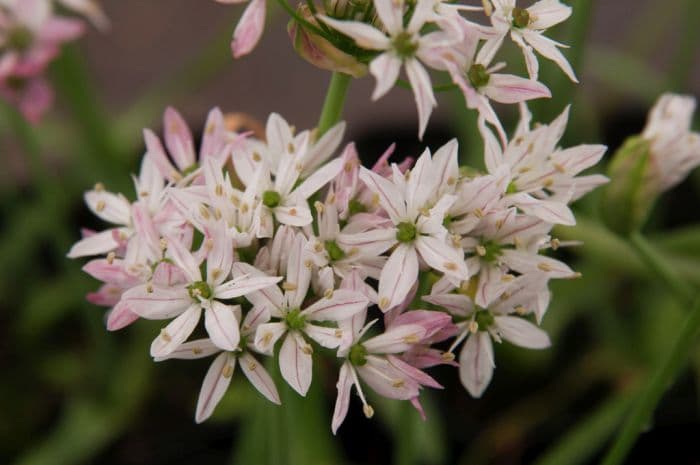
[[219, 190], [506, 278], [338, 333], [499, 224], [447, 356], [451, 266], [290, 148], [473, 327], [209, 244], [375, 200], [546, 267], [411, 339], [217, 214], [99, 187], [227, 372], [204, 211], [328, 293], [307, 349], [309, 264], [424, 211], [176, 175], [110, 257], [398, 383], [196, 350], [488, 8], [559, 167], [252, 365], [144, 193], [456, 240], [149, 288], [216, 273], [348, 167], [256, 156], [100, 206], [163, 243], [353, 251], [520, 310], [267, 338], [318, 206], [505, 296], [478, 212], [293, 211], [555, 243], [481, 250], [576, 275], [165, 336], [368, 411], [287, 286], [384, 303], [245, 208], [451, 181], [548, 182]]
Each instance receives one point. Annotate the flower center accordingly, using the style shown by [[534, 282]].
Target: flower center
[[20, 39], [489, 251], [271, 199], [358, 355], [16, 83], [478, 76], [294, 319], [406, 232], [355, 206], [512, 188], [334, 250], [199, 289], [447, 221], [404, 45], [521, 17], [484, 319]]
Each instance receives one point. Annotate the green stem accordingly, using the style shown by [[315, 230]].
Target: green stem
[[662, 376], [334, 103], [655, 262]]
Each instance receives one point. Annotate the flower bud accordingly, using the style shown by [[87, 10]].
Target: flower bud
[[630, 195], [318, 51], [651, 163]]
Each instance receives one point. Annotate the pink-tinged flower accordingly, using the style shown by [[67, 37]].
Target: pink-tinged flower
[[505, 242], [543, 178], [401, 46], [526, 27], [221, 370], [480, 82], [297, 320], [674, 149], [249, 28], [30, 37], [334, 248], [138, 225], [186, 301], [180, 145], [375, 362], [416, 229], [32, 96], [310, 152], [90, 9], [479, 325]]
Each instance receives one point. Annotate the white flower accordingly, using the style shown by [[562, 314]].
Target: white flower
[[675, 150], [480, 325], [296, 321], [185, 301], [400, 45], [221, 370], [526, 27], [417, 231]]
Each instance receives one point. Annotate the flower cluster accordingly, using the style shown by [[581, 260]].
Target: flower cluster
[[31, 34], [391, 35], [290, 248]]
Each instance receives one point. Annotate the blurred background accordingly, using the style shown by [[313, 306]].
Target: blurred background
[[72, 393]]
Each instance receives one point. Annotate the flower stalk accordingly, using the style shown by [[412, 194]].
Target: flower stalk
[[334, 102]]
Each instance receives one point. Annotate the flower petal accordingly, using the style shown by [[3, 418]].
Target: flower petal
[[521, 332], [476, 363], [221, 324], [385, 68], [259, 377], [157, 303], [342, 401], [364, 35], [215, 384], [341, 305], [398, 276], [266, 335], [295, 362], [249, 29], [176, 332]]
